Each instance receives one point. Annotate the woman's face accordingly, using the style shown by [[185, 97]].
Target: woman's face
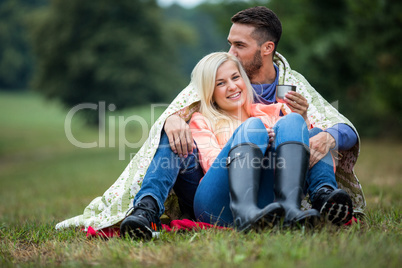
[[230, 91]]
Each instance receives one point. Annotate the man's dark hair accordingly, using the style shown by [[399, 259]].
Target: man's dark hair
[[267, 25]]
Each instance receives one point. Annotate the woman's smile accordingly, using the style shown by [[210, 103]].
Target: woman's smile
[[235, 96]]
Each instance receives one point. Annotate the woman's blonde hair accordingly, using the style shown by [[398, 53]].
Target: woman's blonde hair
[[203, 78]]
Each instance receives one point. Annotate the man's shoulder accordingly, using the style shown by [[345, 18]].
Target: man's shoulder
[[286, 74]]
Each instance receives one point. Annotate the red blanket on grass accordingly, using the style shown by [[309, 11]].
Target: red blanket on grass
[[174, 226]]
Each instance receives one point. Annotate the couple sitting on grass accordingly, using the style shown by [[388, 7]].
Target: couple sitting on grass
[[256, 162], [239, 163]]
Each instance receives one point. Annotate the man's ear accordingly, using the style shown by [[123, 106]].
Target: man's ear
[[268, 48]]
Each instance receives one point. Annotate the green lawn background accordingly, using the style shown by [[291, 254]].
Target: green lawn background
[[45, 179]]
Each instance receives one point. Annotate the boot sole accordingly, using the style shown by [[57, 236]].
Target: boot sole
[[309, 221], [265, 221], [338, 209], [274, 218], [137, 230]]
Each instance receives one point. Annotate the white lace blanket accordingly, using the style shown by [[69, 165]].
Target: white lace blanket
[[110, 208]]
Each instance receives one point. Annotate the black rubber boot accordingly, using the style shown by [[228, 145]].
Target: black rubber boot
[[292, 163], [244, 167]]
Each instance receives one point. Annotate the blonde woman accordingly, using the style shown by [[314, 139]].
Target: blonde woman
[[255, 160], [241, 144]]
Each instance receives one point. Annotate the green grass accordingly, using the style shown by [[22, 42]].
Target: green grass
[[45, 179]]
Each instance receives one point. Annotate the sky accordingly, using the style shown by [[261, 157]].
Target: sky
[[184, 3]]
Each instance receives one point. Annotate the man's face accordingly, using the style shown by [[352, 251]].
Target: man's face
[[245, 48]]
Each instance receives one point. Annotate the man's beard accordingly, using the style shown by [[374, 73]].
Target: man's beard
[[254, 66]]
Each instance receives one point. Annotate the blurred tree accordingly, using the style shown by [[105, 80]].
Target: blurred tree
[[350, 52], [375, 28], [117, 51], [199, 35], [321, 37], [223, 10], [15, 55]]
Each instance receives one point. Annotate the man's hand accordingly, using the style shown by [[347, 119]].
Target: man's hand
[[271, 135], [297, 103], [179, 134], [320, 145]]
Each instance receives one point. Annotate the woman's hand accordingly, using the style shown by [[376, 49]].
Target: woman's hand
[[297, 103], [179, 134]]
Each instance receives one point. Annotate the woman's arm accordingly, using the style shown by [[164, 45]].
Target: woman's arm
[[207, 143]]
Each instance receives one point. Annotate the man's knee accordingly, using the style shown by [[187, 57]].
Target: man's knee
[[164, 139], [314, 131], [190, 162]]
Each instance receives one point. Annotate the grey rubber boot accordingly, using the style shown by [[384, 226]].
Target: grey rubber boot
[[289, 182], [244, 167]]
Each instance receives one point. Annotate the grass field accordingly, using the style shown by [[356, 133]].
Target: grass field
[[45, 179]]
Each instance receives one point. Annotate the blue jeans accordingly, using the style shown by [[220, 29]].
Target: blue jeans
[[166, 171], [212, 200], [321, 174]]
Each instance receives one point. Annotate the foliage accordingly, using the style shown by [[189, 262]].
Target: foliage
[[16, 61], [223, 10], [375, 30], [113, 51], [132, 52], [350, 52], [201, 33]]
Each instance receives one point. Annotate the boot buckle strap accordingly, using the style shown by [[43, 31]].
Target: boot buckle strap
[[228, 160], [231, 159]]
